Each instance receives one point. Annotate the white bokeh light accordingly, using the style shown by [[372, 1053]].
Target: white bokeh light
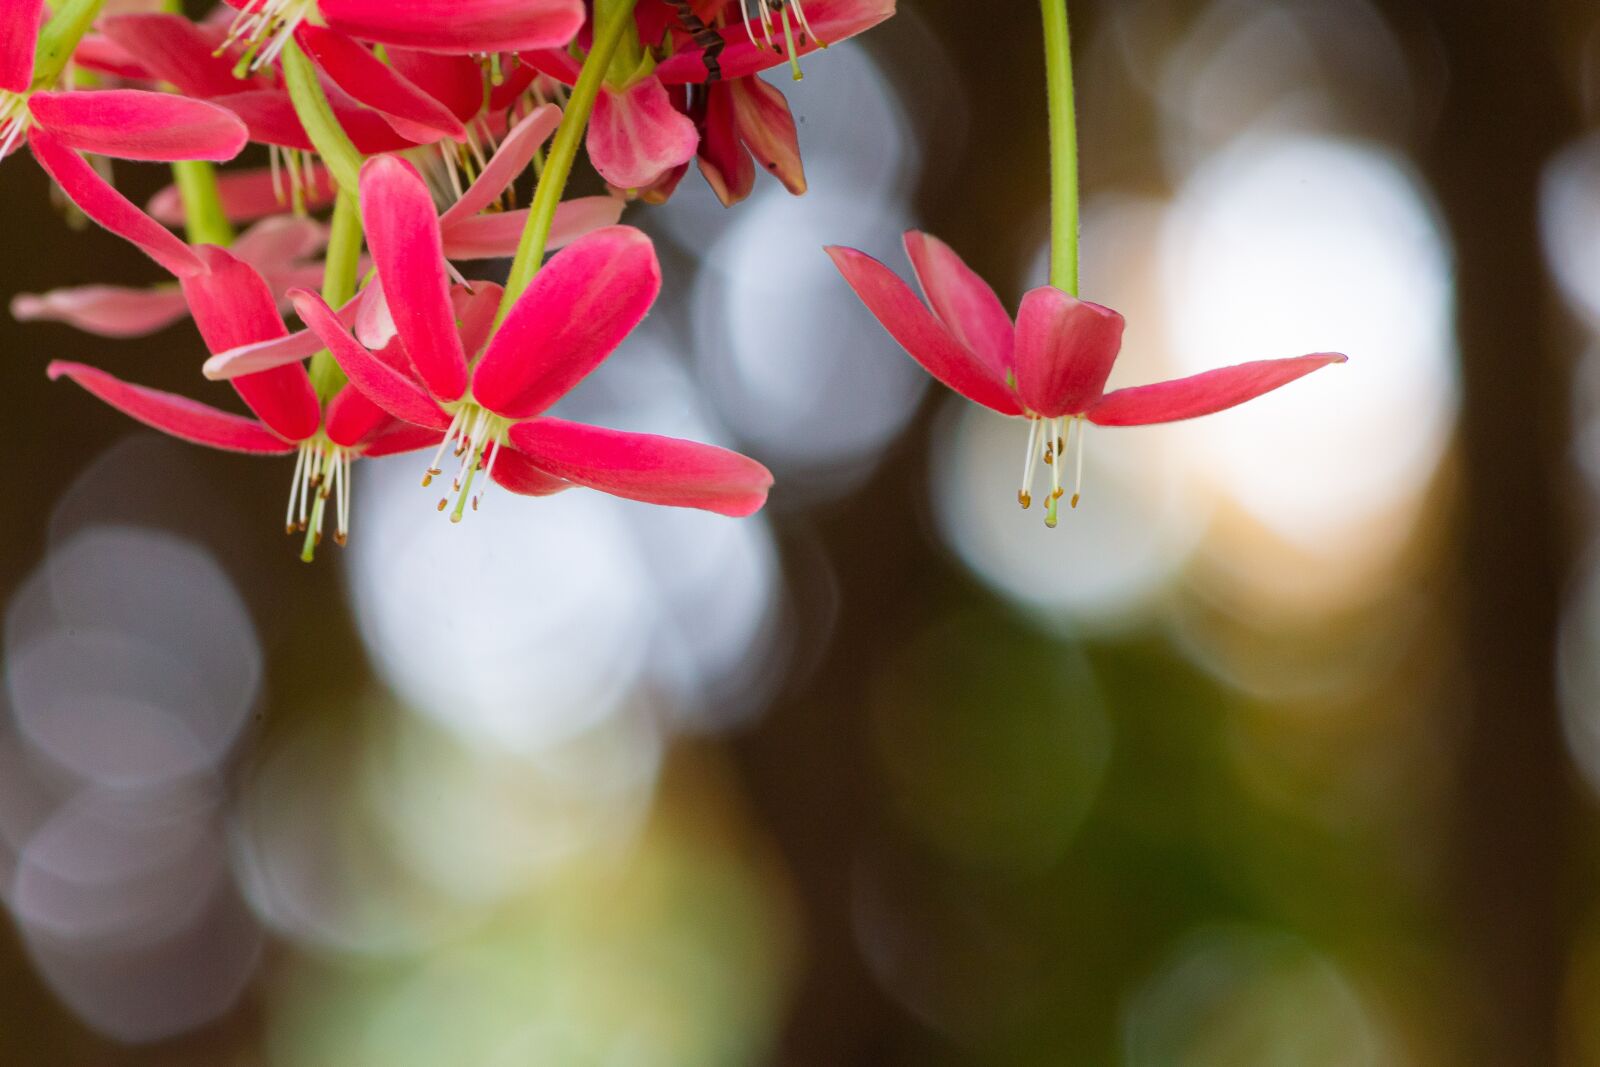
[[1286, 245]]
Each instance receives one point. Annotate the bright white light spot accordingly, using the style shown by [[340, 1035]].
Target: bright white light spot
[[1569, 215], [1290, 245]]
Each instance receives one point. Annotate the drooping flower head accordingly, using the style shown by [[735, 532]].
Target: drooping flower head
[[1049, 367]]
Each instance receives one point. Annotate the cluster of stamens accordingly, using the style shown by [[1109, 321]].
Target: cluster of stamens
[[14, 120], [773, 16], [266, 27], [474, 440], [1048, 440], [321, 473], [292, 174]]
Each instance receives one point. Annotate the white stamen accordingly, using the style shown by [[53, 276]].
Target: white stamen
[[1077, 484]]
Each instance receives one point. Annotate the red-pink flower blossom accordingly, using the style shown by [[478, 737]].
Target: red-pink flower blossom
[[488, 389], [637, 138], [1050, 366], [233, 306]]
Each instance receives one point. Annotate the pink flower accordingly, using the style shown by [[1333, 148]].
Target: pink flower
[[1050, 367], [278, 247], [487, 390], [637, 137], [233, 306]]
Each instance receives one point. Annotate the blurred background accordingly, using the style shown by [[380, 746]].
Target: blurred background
[[1283, 749]]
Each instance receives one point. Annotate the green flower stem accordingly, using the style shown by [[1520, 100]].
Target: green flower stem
[[339, 278], [343, 159], [60, 36], [1063, 148], [564, 152], [204, 221]]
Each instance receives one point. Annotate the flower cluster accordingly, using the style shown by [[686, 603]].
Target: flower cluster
[[413, 122]]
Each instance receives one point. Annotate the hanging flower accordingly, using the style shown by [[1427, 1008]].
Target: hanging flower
[[487, 392], [1049, 367]]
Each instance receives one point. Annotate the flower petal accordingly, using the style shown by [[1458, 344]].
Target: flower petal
[[109, 208], [454, 81], [232, 306], [106, 310], [276, 352], [639, 466], [636, 135], [403, 233], [19, 33], [384, 386], [579, 308], [248, 195], [398, 437], [920, 333], [517, 473], [458, 26], [352, 417], [767, 127], [962, 300], [372, 82], [176, 50], [270, 117], [279, 240], [1064, 352], [134, 124], [1205, 393], [495, 236], [516, 151], [724, 161], [173, 414], [833, 21]]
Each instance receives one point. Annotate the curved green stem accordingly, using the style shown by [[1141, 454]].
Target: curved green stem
[[563, 153], [316, 115], [1063, 148], [59, 38]]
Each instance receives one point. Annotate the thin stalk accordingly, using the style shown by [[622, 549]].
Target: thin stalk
[[563, 153], [1063, 148], [59, 38], [316, 115], [339, 278], [204, 221]]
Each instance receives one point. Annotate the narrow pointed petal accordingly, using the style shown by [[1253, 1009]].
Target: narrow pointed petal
[[767, 127], [176, 415], [723, 159], [1205, 393], [399, 437], [176, 50], [101, 54], [352, 417], [636, 135], [638, 466], [384, 386], [517, 473], [248, 195], [962, 300], [1064, 352], [109, 208], [403, 233], [495, 236], [133, 124], [516, 151], [458, 26], [275, 352], [374, 326], [454, 81], [920, 333], [105, 310], [269, 116], [19, 33], [834, 21], [232, 306], [476, 309], [579, 308], [279, 240], [372, 82]]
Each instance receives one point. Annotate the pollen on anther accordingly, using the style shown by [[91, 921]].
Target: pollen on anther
[[1025, 499], [1075, 499], [444, 503]]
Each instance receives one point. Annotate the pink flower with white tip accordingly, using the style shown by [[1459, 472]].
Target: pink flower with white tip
[[1049, 367]]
